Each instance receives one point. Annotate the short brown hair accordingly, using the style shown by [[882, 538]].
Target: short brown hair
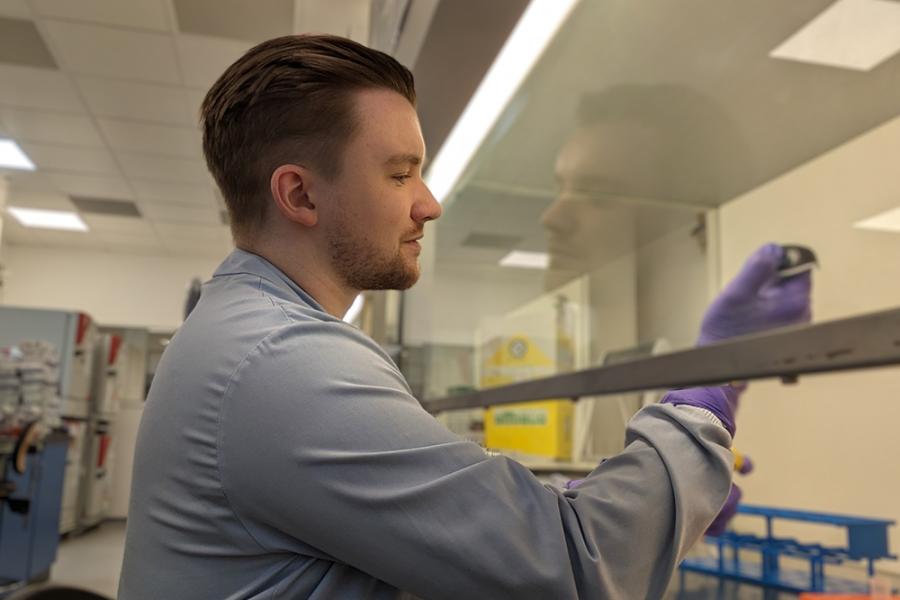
[[287, 100]]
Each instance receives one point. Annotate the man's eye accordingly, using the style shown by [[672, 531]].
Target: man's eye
[[402, 178]]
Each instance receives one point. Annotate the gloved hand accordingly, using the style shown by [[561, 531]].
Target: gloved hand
[[758, 299], [729, 509], [720, 401], [742, 463]]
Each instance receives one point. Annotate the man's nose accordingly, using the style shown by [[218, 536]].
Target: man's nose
[[426, 208], [558, 218]]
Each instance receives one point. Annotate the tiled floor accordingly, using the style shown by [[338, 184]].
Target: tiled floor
[[93, 560]]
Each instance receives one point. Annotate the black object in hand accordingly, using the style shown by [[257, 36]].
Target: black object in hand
[[796, 260]]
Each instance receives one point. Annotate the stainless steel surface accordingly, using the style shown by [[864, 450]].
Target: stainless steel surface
[[862, 342]]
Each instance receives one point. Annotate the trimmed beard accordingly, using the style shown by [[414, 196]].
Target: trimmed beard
[[355, 263]]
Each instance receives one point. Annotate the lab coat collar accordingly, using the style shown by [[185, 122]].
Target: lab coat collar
[[243, 262]]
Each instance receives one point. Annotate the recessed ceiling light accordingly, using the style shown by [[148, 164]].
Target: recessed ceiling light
[[526, 43], [852, 34], [526, 260], [12, 157], [48, 219], [886, 221]]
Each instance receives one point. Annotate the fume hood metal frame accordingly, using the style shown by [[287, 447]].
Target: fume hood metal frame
[[861, 342]]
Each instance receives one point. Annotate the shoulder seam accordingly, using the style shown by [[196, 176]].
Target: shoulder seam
[[219, 435]]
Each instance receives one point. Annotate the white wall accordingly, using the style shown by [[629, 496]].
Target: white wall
[[831, 443], [671, 288], [459, 297], [115, 289]]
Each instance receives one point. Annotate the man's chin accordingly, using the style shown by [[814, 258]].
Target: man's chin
[[410, 279], [398, 280]]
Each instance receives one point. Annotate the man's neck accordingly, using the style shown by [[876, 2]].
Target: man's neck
[[312, 273]]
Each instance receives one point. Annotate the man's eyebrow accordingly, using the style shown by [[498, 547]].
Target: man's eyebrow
[[402, 159]]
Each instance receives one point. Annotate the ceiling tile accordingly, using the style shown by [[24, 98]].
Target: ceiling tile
[[163, 169], [252, 21], [151, 138], [72, 239], [175, 193], [89, 185], [179, 213], [30, 181], [98, 50], [17, 9], [15, 233], [132, 100], [48, 201], [204, 59], [92, 161], [119, 225], [195, 101], [52, 127], [37, 89], [129, 239], [126, 244], [187, 234], [156, 249], [141, 14]]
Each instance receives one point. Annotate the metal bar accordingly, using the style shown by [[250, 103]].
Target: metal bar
[[862, 342]]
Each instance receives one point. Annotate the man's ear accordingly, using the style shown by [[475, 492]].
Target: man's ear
[[290, 186]]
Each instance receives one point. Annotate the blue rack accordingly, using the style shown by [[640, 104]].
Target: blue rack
[[867, 540]]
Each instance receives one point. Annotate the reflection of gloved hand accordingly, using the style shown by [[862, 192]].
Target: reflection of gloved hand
[[758, 299], [720, 401], [729, 509]]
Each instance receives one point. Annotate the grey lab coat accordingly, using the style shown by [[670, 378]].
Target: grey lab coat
[[281, 455]]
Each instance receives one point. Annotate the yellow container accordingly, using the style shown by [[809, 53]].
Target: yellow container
[[541, 429]]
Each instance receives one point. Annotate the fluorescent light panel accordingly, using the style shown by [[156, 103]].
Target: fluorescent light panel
[[526, 260], [852, 34], [12, 157], [48, 219], [525, 45], [886, 221], [355, 309]]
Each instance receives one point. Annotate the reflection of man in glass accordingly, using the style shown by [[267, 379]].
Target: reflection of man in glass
[[642, 160]]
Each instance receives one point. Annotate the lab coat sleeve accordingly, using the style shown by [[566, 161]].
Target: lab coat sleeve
[[321, 440]]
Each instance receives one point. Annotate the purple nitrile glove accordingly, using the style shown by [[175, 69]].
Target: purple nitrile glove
[[758, 299], [721, 401], [729, 509], [746, 466]]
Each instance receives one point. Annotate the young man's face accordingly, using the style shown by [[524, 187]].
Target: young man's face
[[379, 202]]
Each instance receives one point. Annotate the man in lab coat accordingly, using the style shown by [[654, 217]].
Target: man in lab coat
[[281, 453]]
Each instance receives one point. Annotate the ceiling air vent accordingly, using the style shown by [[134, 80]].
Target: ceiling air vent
[[102, 206], [21, 44], [494, 241]]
